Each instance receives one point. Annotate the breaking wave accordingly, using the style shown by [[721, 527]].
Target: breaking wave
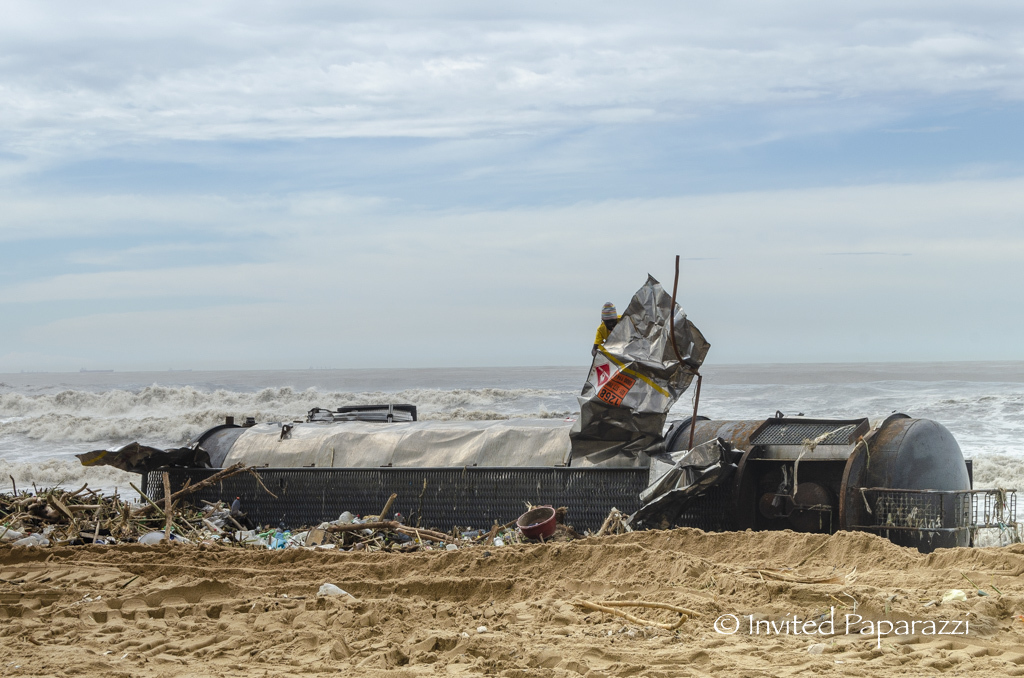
[[163, 415], [63, 472]]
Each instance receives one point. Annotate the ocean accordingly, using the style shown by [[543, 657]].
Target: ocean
[[46, 418]]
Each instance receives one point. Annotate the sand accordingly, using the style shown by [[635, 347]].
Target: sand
[[206, 610]]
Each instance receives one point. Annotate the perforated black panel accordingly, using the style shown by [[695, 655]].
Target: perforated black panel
[[790, 432], [470, 497], [711, 512]]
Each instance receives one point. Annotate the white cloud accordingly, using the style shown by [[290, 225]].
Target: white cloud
[[91, 94], [85, 77], [523, 283]]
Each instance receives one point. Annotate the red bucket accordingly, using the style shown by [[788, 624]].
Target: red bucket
[[538, 522]]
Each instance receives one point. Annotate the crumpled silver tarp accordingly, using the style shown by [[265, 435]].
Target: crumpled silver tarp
[[636, 377], [678, 477], [422, 444]]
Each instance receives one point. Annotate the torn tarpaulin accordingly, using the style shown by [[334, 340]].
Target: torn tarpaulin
[[636, 377], [678, 477], [138, 458]]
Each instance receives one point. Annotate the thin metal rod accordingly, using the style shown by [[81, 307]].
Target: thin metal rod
[[675, 347], [696, 401], [672, 314]]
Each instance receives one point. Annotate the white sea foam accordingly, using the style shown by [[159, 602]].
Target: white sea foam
[[57, 472], [165, 416]]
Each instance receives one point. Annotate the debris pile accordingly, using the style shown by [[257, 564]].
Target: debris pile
[[80, 517]]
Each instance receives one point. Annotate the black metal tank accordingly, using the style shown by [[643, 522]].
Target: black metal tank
[[902, 478]]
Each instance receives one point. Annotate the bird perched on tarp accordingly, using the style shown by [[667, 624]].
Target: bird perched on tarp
[[236, 507]]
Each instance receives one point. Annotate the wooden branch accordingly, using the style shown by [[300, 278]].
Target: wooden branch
[[78, 491], [828, 579], [213, 528], [167, 506], [152, 504], [656, 606], [684, 614], [58, 505], [260, 481], [212, 480], [387, 507], [608, 524], [394, 526]]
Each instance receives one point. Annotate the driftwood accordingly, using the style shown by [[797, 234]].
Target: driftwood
[[613, 524], [59, 506], [393, 525], [827, 579], [167, 506], [212, 480], [259, 480], [387, 507], [152, 504], [609, 606]]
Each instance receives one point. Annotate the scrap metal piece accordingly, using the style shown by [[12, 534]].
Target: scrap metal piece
[[636, 377], [137, 458], [678, 477]]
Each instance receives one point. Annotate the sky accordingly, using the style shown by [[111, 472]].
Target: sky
[[271, 185]]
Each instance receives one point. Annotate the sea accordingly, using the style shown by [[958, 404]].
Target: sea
[[47, 418]]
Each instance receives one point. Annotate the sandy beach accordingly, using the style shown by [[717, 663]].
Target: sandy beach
[[210, 610]]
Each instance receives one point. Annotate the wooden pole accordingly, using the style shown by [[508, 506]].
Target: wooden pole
[[167, 505]]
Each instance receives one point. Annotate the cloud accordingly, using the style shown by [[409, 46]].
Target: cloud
[[523, 285], [459, 181], [85, 78]]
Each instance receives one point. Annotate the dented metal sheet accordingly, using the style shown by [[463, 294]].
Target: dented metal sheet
[[677, 478], [636, 377]]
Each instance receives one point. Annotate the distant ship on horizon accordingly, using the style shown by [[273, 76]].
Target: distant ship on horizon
[[85, 370]]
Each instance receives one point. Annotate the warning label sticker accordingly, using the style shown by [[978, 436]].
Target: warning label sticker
[[616, 389], [603, 372]]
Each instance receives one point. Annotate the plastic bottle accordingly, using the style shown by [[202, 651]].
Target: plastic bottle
[[279, 539], [32, 540], [151, 538], [7, 534]]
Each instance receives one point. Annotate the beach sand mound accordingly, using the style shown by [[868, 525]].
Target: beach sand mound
[[510, 611]]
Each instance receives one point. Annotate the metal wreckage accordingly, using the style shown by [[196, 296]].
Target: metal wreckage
[[903, 478]]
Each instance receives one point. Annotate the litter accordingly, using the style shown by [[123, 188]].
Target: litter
[[953, 595], [84, 517], [328, 590]]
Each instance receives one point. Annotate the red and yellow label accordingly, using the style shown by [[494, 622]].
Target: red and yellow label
[[616, 389]]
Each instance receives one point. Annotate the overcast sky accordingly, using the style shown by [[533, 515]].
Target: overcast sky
[[277, 185]]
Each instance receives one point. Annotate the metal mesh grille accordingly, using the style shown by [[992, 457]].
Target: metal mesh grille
[[441, 498], [922, 511], [993, 508], [796, 432], [936, 510], [711, 512]]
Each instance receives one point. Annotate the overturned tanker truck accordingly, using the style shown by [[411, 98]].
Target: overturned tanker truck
[[896, 476]]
